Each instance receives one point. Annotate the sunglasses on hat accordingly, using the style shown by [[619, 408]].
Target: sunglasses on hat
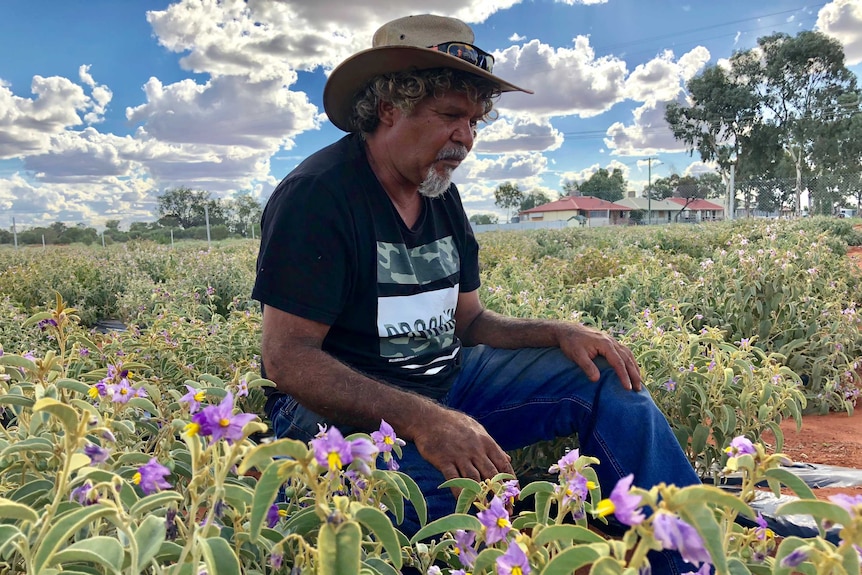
[[468, 53]]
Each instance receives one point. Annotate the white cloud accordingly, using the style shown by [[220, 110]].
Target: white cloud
[[519, 133], [566, 81], [26, 125], [842, 19], [516, 38], [649, 134], [662, 78], [586, 2]]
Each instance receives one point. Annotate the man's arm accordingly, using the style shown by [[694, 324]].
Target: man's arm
[[454, 443], [476, 325]]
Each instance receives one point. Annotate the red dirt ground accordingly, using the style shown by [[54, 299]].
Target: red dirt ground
[[832, 439]]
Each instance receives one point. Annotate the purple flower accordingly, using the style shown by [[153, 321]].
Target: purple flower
[[242, 388], [464, 541], [276, 559], [331, 450], [674, 533], [762, 530], [171, 529], [496, 521], [669, 385], [194, 397], [852, 503], [622, 504], [513, 561], [740, 445], [95, 453], [83, 352], [151, 477], [576, 489], [385, 438], [363, 452], [795, 557], [218, 421], [566, 463], [84, 494], [272, 516], [511, 490], [99, 389], [121, 392]]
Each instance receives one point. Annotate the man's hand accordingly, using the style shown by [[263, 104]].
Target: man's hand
[[458, 446], [582, 344]]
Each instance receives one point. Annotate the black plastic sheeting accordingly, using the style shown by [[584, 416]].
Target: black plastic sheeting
[[815, 476]]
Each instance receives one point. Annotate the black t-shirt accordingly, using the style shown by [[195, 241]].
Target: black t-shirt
[[335, 250]]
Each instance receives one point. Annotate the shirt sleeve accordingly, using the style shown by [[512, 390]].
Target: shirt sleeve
[[306, 259]]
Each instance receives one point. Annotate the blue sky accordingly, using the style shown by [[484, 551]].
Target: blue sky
[[104, 104]]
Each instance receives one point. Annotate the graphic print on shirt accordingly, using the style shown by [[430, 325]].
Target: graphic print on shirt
[[419, 326]]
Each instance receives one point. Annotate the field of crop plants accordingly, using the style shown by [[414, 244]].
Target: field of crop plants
[[138, 451]]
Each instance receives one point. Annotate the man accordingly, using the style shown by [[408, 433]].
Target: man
[[368, 275]]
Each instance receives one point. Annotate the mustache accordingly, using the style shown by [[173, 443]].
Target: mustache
[[456, 153]]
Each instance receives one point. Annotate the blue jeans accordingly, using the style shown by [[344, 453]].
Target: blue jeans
[[528, 395]]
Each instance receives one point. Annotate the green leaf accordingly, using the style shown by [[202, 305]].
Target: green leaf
[[149, 537], [415, 496], [700, 494], [380, 566], [377, 522], [536, 487], [13, 510], [68, 417], [105, 551], [30, 445], [169, 552], [145, 404], [698, 438], [74, 385], [567, 534], [8, 534], [212, 380], [792, 481], [817, 509], [17, 361], [574, 558], [485, 560], [154, 501], [302, 522], [63, 529], [265, 454], [784, 549], [12, 399], [220, 559], [265, 492], [32, 491], [260, 382], [340, 550], [607, 566], [448, 523], [462, 483]]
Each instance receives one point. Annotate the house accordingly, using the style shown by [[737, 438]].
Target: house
[[654, 211], [698, 210], [580, 210]]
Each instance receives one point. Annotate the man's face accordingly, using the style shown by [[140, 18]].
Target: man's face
[[434, 139]]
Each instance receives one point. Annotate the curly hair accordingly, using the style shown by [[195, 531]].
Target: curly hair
[[406, 89]]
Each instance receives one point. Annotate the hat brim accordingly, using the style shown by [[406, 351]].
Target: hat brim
[[354, 73]]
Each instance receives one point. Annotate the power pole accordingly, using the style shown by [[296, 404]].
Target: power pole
[[649, 189]]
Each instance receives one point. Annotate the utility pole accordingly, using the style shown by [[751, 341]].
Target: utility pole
[[649, 189]]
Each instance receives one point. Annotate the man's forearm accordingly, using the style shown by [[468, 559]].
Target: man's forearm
[[332, 389], [504, 332]]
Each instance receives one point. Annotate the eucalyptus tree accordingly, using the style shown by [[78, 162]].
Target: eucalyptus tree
[[605, 185], [508, 196], [802, 84]]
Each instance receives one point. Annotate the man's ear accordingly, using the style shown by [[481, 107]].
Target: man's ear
[[386, 112]]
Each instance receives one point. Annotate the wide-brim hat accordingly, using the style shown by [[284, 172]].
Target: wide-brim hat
[[400, 45]]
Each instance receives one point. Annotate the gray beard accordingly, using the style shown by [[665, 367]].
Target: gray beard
[[435, 184]]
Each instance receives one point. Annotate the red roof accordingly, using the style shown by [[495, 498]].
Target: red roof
[[697, 205], [574, 203]]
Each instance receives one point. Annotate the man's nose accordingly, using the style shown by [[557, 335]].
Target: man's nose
[[464, 134]]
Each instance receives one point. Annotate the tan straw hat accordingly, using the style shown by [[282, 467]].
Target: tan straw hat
[[413, 42]]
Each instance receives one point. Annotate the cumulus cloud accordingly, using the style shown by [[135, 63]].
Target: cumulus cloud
[[566, 81], [842, 19], [26, 125], [662, 77], [518, 133], [648, 134]]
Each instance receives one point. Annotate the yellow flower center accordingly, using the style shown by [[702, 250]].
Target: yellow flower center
[[224, 421], [282, 512], [388, 440], [136, 478], [199, 396], [502, 522], [93, 392], [192, 429], [334, 460], [591, 485], [123, 391], [605, 508], [517, 570]]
